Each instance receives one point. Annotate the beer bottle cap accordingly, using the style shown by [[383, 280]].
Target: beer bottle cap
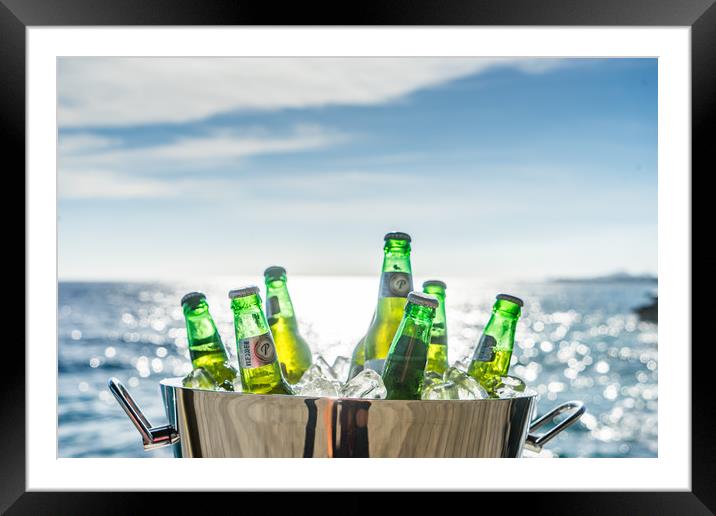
[[243, 291], [275, 271], [507, 297], [418, 298], [434, 282], [397, 235], [192, 298]]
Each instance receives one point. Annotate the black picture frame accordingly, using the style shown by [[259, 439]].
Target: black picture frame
[[17, 15]]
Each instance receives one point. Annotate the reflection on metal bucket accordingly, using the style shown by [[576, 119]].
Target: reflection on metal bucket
[[229, 424]]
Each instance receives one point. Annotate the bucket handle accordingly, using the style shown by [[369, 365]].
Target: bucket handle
[[152, 437], [535, 441]]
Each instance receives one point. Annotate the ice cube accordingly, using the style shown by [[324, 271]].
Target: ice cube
[[366, 384], [319, 369], [325, 369], [507, 392], [309, 374], [341, 366], [200, 378], [463, 364], [468, 387], [511, 387], [315, 380], [431, 377], [451, 373], [320, 386], [512, 382], [440, 391]]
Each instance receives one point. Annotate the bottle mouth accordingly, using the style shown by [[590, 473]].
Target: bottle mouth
[[243, 291], [507, 307], [192, 299], [422, 299], [275, 272], [397, 235], [511, 299], [397, 245]]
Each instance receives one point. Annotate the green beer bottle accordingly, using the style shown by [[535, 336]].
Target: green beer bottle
[[205, 347], [491, 359], [293, 352], [258, 362], [438, 348], [405, 365], [396, 281]]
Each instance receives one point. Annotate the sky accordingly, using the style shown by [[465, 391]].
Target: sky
[[499, 168]]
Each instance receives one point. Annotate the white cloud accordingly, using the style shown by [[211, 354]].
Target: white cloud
[[131, 91], [222, 144], [94, 166], [105, 184], [85, 143], [85, 150]]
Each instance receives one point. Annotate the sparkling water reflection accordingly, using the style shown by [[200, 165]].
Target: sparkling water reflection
[[575, 341]]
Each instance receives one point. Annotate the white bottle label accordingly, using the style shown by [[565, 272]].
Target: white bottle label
[[257, 351], [395, 284]]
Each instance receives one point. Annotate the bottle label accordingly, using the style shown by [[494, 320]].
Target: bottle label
[[376, 364], [396, 284], [485, 351], [272, 306], [257, 351]]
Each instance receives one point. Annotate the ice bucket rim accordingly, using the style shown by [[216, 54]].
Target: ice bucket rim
[[175, 383]]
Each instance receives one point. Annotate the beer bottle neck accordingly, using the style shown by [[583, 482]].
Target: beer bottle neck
[[199, 324], [439, 323], [502, 324], [249, 319], [417, 322], [396, 279], [396, 256], [278, 301]]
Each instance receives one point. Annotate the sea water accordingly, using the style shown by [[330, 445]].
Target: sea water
[[575, 341]]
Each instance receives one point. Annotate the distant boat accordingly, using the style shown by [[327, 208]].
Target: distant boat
[[648, 312]]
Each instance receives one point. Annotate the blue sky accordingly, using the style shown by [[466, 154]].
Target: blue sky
[[169, 168]]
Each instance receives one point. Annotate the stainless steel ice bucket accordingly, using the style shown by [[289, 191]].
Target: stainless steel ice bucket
[[230, 424]]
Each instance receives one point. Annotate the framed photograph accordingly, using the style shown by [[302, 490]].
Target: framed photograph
[[436, 240]]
